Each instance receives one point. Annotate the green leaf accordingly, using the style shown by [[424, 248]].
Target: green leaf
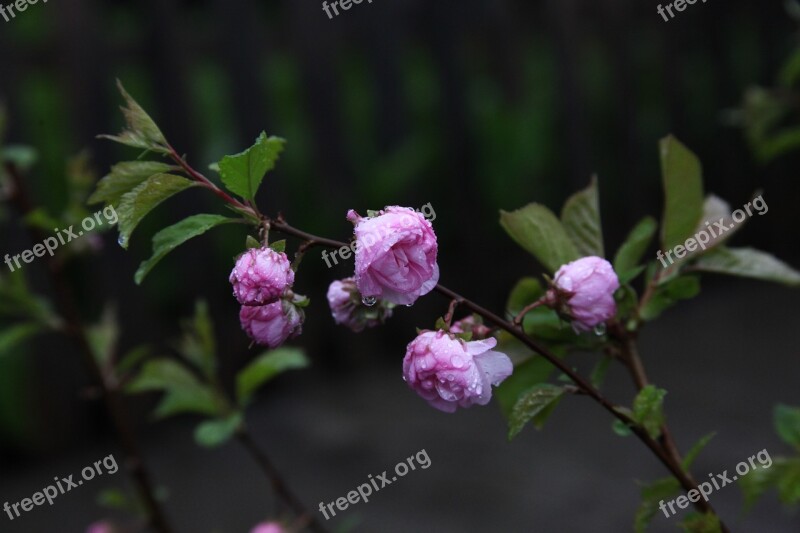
[[103, 336], [701, 523], [535, 404], [264, 368], [683, 188], [788, 481], [621, 428], [524, 293], [242, 173], [170, 238], [670, 293], [652, 494], [581, 219], [116, 500], [251, 242], [598, 375], [198, 345], [534, 371], [123, 178], [690, 457], [141, 131], [787, 424], [536, 229], [131, 359], [749, 263], [630, 253], [145, 197], [279, 246], [12, 336], [183, 391], [648, 409], [213, 433]]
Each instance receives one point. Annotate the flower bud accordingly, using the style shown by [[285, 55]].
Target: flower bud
[[349, 310], [451, 373], [471, 324], [395, 255], [261, 276], [584, 290], [272, 325], [101, 527]]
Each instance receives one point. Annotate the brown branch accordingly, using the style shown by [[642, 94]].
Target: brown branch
[[111, 397]]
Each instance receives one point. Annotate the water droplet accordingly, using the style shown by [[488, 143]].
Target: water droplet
[[600, 330], [121, 241], [369, 301], [409, 305]]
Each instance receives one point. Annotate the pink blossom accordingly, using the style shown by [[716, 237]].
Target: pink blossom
[[348, 309], [395, 255], [268, 527], [449, 372], [272, 325], [586, 288], [261, 276]]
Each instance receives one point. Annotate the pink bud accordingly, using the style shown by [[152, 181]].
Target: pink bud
[[101, 527], [348, 309], [395, 255], [272, 325], [449, 372], [587, 287], [471, 325], [261, 276]]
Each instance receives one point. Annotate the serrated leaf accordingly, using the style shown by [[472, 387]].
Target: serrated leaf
[[537, 230], [12, 336], [692, 454], [213, 433], [242, 173], [652, 494], [682, 178], [264, 368], [140, 131], [170, 238], [581, 219], [123, 178], [787, 424], [701, 523], [648, 409], [145, 197], [670, 293], [749, 263], [534, 405], [630, 253], [534, 371], [183, 392]]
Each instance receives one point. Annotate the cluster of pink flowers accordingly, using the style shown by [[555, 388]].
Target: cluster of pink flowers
[[262, 282], [395, 264]]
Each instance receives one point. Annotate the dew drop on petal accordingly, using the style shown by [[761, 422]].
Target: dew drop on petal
[[121, 241], [600, 330]]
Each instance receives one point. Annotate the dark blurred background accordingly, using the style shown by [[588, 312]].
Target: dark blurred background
[[473, 106]]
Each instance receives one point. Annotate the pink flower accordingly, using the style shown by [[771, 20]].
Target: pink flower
[[586, 289], [272, 325], [261, 276], [449, 372], [395, 255], [471, 325], [101, 527], [348, 309], [268, 527]]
